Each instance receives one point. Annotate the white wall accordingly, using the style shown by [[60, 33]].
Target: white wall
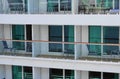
[[40, 73], [8, 70], [36, 36], [78, 34], [42, 6], [84, 75], [61, 19], [77, 74], [44, 73], [36, 73], [2, 71], [84, 39], [33, 6], [44, 36]]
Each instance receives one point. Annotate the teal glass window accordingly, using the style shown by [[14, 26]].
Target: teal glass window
[[105, 3], [110, 75], [56, 74], [69, 74], [52, 6], [94, 75], [18, 34], [116, 4], [27, 72], [95, 37], [110, 35], [58, 5], [69, 37], [55, 35], [65, 5], [16, 72]]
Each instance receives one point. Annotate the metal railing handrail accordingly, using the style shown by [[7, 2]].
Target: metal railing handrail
[[46, 41]]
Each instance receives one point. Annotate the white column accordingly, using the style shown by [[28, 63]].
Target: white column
[[77, 74], [72, 6], [77, 38], [84, 39], [36, 73], [8, 70], [35, 36]]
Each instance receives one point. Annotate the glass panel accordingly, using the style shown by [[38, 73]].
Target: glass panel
[[69, 37], [94, 75], [116, 4], [55, 34], [56, 74], [52, 6], [105, 3], [26, 5], [95, 37], [110, 35], [110, 76], [18, 34], [16, 72], [69, 74], [27, 72], [15, 1], [65, 5]]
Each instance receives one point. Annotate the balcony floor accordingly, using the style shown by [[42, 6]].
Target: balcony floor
[[56, 56], [100, 58], [16, 54]]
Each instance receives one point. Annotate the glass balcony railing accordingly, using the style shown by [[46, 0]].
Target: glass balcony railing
[[98, 7], [60, 50]]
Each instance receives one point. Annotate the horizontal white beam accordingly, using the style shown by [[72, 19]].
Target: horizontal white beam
[[55, 19], [62, 63]]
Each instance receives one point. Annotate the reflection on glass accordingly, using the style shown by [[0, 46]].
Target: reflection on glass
[[94, 75], [110, 35], [55, 35], [110, 76], [56, 74], [18, 34], [94, 37], [69, 37], [16, 72]]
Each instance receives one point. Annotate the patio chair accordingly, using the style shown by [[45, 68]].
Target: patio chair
[[6, 48]]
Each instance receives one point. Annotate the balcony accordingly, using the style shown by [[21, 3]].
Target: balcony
[[60, 7], [98, 7], [61, 50]]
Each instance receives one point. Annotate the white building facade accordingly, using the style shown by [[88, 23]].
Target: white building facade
[[59, 39]]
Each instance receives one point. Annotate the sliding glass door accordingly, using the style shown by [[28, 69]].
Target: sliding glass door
[[55, 35], [58, 5], [110, 36], [61, 74], [22, 72], [69, 37], [95, 37], [18, 34], [61, 34]]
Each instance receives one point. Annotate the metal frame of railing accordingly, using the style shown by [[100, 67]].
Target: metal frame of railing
[[113, 54]]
